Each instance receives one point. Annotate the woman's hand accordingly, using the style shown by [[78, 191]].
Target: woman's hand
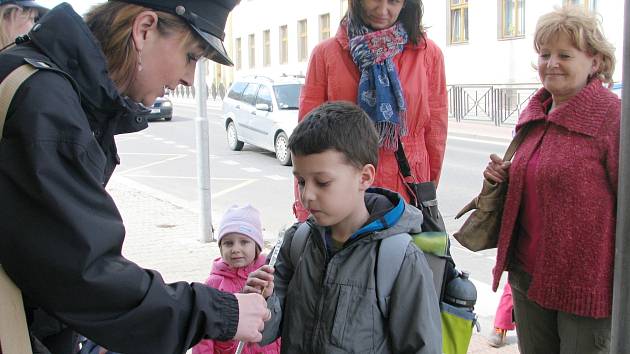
[[497, 170], [260, 281]]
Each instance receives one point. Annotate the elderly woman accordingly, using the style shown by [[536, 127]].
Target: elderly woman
[[16, 18], [558, 229], [382, 60], [61, 234]]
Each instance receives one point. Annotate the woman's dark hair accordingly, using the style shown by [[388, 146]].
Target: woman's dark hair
[[410, 16]]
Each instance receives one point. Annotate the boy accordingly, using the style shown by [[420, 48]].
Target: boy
[[327, 302]]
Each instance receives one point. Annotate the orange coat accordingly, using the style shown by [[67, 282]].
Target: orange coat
[[333, 76]]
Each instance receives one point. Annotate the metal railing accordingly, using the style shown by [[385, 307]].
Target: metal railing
[[499, 104]]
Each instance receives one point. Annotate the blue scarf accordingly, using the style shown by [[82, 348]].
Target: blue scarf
[[380, 93]]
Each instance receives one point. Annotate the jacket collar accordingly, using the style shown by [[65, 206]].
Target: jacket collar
[[584, 113], [63, 36]]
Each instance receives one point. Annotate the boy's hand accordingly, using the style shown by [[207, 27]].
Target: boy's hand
[[260, 281], [252, 314]]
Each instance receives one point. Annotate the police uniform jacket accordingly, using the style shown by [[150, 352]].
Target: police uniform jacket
[[60, 232]]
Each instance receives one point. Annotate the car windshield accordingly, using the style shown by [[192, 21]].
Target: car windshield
[[288, 96]]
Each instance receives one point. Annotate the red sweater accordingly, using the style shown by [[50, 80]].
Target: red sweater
[[577, 192]]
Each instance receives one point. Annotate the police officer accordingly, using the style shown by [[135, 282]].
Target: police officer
[[60, 232]]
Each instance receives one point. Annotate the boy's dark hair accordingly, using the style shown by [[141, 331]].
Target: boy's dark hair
[[341, 126]]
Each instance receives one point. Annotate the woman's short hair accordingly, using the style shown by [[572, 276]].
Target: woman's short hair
[[584, 30], [410, 16], [111, 24], [6, 11]]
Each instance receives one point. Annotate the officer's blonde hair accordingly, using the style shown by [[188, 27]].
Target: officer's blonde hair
[[111, 24], [6, 12]]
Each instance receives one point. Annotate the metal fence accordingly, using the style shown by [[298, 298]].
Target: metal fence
[[496, 104]]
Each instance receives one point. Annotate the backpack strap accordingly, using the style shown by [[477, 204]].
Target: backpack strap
[[14, 337], [391, 253], [298, 243], [8, 88]]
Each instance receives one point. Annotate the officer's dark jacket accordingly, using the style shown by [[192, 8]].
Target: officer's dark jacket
[[60, 232]]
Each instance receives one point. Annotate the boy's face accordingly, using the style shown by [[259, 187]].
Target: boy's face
[[331, 188], [237, 250]]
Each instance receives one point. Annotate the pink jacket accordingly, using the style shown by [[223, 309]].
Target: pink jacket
[[228, 279], [333, 76], [577, 176]]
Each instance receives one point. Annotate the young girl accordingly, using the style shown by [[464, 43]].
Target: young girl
[[241, 242]]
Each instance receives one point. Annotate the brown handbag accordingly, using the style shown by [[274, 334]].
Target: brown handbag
[[481, 230]]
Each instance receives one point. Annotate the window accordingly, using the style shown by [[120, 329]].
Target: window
[[459, 21], [511, 22], [237, 90], [264, 96], [238, 60], [302, 41], [587, 4], [266, 48], [324, 27], [251, 44], [284, 44], [249, 95]]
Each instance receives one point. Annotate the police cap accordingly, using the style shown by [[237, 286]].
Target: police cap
[[206, 17]]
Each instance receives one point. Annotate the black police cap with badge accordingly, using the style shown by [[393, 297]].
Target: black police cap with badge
[[206, 17]]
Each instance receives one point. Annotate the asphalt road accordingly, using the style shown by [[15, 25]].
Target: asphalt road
[[162, 159]]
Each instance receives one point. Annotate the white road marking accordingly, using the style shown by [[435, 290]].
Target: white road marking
[[170, 142], [174, 157], [251, 169], [230, 162], [277, 178], [183, 146]]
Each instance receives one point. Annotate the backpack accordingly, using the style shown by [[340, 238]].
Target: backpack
[[457, 323], [14, 336]]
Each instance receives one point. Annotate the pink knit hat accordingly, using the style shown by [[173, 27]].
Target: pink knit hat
[[242, 220]]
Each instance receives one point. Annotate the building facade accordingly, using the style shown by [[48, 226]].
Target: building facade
[[484, 41]]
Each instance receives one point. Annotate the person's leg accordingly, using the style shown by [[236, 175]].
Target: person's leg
[[583, 335], [536, 327], [503, 320]]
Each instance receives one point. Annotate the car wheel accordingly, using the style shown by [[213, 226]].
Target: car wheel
[[168, 119], [232, 138], [282, 150]]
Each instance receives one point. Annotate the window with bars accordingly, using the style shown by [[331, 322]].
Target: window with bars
[[590, 5], [324, 27], [302, 40], [458, 21], [512, 22], [284, 44], [251, 44], [266, 47], [238, 60]]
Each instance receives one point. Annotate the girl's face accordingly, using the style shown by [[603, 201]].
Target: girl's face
[[237, 250], [166, 61], [381, 14]]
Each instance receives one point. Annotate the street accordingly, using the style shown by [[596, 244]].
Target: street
[[162, 161]]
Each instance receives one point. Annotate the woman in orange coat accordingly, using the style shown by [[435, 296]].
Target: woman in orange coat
[[382, 55]]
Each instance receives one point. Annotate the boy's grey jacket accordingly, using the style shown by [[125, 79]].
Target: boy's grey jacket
[[329, 304]]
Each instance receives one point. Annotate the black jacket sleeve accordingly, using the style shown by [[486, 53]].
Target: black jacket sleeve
[[61, 235]]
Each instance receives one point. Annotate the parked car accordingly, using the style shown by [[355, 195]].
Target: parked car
[[262, 111], [162, 108]]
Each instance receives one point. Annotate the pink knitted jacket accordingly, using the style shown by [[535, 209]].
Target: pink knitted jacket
[[577, 189]]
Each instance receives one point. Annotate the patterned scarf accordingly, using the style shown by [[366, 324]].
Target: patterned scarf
[[380, 93]]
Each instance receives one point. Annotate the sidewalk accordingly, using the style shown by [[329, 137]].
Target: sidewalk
[[164, 236]]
